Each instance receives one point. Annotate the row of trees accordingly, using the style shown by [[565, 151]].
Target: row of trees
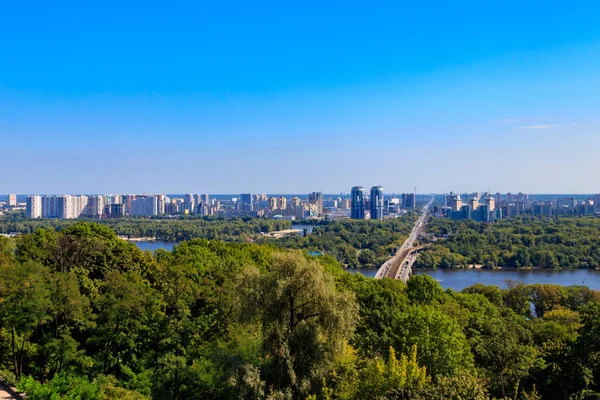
[[168, 230], [84, 315], [517, 242], [355, 243]]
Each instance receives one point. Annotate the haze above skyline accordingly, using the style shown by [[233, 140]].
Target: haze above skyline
[[292, 98]]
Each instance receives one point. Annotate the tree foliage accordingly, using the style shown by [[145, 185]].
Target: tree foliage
[[86, 315]]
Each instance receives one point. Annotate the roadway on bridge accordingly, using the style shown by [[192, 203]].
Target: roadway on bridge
[[400, 266]]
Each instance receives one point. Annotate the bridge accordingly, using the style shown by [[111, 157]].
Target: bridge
[[400, 266]]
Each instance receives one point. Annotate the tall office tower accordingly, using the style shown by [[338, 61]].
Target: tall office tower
[[204, 199], [295, 201], [316, 199], [408, 200], [597, 203], [12, 200], [474, 201], [144, 206], [246, 202], [376, 204], [498, 197], [34, 206], [272, 203], [357, 198], [282, 203]]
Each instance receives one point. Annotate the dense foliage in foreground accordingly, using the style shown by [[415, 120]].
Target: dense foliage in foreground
[[84, 315], [527, 241]]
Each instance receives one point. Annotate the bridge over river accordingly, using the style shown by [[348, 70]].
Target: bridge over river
[[400, 266]]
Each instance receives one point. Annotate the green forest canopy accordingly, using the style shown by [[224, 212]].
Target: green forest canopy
[[86, 315], [527, 241]]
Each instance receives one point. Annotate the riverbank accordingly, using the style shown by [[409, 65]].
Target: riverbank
[[138, 239]]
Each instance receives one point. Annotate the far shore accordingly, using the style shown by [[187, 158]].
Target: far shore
[[138, 239]]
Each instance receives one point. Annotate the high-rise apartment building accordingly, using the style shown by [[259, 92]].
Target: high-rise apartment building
[[357, 198], [63, 206], [282, 203], [144, 206], [127, 202], [12, 200], [455, 202], [95, 206], [295, 201], [316, 199], [376, 202], [474, 201], [490, 202], [188, 203], [272, 203], [34, 206]]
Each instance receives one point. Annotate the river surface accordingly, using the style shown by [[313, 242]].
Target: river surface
[[309, 228], [154, 245], [458, 279]]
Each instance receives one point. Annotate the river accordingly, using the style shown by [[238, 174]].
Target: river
[[458, 279], [154, 245]]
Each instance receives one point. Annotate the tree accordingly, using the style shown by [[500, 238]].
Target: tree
[[305, 320], [443, 347], [24, 306], [393, 378], [423, 289]]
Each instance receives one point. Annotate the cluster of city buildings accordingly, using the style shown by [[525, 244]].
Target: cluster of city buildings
[[487, 207], [247, 204], [375, 206]]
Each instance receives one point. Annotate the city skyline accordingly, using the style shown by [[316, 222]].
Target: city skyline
[[141, 98]]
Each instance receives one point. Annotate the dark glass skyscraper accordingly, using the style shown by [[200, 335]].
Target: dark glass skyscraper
[[358, 203], [316, 198], [376, 202]]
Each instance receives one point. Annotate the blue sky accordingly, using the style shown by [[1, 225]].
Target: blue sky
[[287, 97]]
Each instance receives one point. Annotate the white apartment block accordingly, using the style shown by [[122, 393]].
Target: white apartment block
[[63, 206], [34, 206], [145, 206]]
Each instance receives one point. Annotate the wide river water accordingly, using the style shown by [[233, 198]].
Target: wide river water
[[458, 279]]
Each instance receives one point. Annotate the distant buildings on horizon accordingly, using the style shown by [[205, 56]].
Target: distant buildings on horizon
[[375, 206], [359, 204], [246, 204], [488, 207]]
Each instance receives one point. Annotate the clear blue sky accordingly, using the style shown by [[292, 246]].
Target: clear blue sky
[[287, 97]]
